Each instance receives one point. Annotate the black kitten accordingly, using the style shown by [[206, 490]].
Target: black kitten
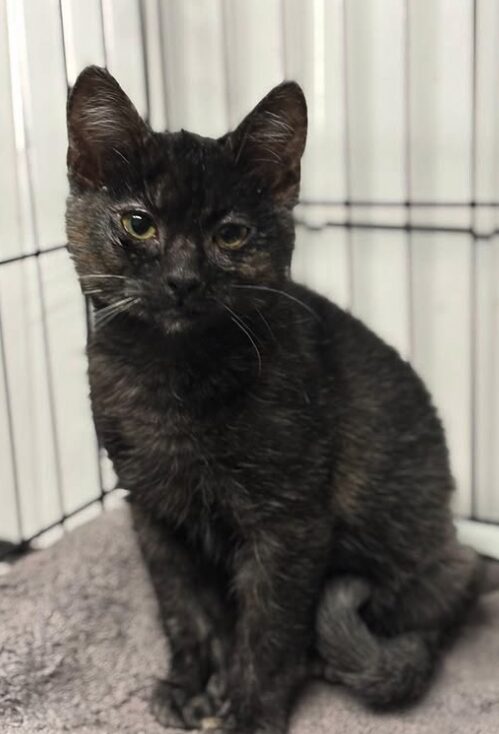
[[288, 474]]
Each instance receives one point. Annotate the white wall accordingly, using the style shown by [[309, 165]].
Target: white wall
[[391, 87]]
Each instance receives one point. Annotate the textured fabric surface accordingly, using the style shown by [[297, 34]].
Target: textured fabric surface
[[80, 648]]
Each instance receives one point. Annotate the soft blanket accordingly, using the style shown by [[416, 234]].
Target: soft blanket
[[80, 649]]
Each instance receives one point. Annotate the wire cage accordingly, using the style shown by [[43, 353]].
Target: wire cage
[[397, 220]]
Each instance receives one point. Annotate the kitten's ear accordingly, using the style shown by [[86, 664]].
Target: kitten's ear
[[104, 128], [270, 140]]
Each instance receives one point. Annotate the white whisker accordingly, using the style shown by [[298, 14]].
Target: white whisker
[[282, 293], [246, 330], [101, 275], [269, 328], [108, 313], [118, 152], [92, 291]]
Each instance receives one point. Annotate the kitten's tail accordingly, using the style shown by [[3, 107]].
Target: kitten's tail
[[382, 671]]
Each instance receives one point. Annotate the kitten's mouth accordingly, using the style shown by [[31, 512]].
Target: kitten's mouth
[[177, 324], [175, 319]]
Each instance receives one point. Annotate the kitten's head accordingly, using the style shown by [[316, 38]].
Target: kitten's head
[[172, 228]]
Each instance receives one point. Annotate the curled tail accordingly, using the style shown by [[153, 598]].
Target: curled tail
[[382, 671]]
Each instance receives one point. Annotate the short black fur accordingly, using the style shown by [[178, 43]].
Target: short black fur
[[288, 474]]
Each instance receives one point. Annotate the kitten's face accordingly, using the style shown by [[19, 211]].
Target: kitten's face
[[173, 228]]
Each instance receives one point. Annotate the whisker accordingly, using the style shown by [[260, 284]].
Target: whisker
[[101, 275], [245, 324], [111, 306], [99, 323], [123, 302], [282, 293], [269, 328], [108, 313], [121, 155], [92, 291], [242, 328], [104, 314], [245, 329]]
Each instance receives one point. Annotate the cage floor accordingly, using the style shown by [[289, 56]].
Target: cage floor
[[80, 649]]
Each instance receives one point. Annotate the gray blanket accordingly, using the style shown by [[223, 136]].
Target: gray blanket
[[80, 648]]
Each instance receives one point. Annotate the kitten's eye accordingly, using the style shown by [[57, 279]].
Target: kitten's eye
[[231, 236], [139, 225]]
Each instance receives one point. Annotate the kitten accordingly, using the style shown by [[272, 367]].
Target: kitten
[[288, 475]]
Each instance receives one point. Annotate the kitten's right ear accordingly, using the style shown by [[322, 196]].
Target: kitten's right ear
[[270, 140], [104, 128]]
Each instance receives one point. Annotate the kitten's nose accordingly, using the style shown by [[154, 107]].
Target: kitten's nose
[[182, 286]]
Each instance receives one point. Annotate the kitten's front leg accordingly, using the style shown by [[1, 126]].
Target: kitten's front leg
[[278, 582], [195, 622]]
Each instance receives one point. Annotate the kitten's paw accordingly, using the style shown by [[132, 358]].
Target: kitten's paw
[[199, 712], [164, 708], [230, 724], [173, 707], [265, 729], [226, 728], [216, 688]]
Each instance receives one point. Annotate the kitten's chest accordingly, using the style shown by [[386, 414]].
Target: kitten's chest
[[168, 443], [184, 473], [193, 452], [162, 443]]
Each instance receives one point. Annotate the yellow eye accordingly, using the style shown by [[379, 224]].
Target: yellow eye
[[139, 225], [231, 236]]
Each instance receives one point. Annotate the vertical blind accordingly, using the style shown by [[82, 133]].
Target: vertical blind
[[398, 218]]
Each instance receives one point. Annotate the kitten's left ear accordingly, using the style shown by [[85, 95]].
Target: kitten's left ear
[[270, 140], [104, 128]]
